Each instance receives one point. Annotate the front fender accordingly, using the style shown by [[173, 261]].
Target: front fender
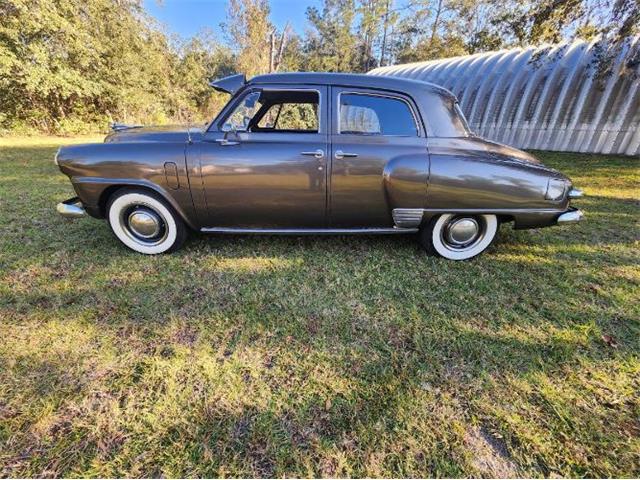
[[92, 188], [96, 170]]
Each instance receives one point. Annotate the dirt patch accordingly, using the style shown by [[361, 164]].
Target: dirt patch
[[490, 456]]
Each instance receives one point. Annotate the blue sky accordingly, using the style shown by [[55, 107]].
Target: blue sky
[[187, 17]]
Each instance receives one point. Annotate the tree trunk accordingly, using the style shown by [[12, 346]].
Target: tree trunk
[[383, 48], [434, 28]]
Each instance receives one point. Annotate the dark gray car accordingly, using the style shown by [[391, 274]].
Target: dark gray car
[[316, 153]]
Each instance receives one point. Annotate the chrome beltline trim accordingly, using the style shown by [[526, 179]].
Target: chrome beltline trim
[[309, 231]]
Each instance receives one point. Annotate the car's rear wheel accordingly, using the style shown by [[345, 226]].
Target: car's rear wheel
[[144, 222], [459, 237]]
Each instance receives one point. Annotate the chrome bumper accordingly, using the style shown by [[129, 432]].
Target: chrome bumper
[[575, 193], [572, 216], [71, 208]]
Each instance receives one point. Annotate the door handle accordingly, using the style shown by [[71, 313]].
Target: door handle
[[340, 155], [225, 142], [319, 154]]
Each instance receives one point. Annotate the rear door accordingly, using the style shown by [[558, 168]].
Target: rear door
[[371, 132]]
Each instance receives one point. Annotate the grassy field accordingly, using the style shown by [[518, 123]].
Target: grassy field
[[343, 356]]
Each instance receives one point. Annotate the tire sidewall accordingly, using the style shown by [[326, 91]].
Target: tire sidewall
[[490, 223], [126, 199]]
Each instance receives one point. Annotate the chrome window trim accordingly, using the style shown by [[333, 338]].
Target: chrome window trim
[[321, 122], [380, 95]]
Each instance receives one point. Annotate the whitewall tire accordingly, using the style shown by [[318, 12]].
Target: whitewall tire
[[144, 222], [459, 237]]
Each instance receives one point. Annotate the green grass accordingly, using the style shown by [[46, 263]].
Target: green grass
[[332, 356]]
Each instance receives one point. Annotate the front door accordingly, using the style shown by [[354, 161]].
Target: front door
[[373, 135], [264, 165]]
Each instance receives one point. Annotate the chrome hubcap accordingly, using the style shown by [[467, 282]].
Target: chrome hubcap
[[462, 231], [144, 223]]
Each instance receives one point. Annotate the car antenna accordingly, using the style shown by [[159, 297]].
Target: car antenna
[[189, 127]]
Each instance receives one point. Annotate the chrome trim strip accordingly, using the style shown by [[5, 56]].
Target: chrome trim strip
[[71, 208], [309, 231], [572, 216], [575, 193], [513, 211]]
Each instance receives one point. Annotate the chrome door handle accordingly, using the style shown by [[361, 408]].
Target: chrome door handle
[[319, 154], [340, 155], [225, 142]]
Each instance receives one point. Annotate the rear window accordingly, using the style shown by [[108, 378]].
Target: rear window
[[362, 114], [446, 118]]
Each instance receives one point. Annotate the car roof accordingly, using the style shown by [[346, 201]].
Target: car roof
[[351, 80]]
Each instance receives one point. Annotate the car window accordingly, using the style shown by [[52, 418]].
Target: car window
[[294, 111], [375, 115], [445, 117], [241, 116], [290, 116]]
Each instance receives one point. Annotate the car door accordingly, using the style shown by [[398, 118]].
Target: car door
[[371, 132], [260, 175]]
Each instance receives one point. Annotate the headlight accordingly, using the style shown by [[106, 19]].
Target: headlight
[[556, 188]]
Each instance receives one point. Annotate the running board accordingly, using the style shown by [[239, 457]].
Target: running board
[[309, 231]]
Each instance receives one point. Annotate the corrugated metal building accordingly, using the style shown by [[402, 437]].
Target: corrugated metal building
[[544, 98]]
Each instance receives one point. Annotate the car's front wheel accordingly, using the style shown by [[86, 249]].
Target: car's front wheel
[[144, 222], [459, 237]]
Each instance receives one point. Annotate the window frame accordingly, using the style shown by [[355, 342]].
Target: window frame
[[392, 96], [255, 88]]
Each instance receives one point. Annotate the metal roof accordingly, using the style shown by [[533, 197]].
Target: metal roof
[[543, 97]]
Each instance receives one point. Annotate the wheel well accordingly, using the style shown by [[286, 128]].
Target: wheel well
[[110, 190], [105, 195]]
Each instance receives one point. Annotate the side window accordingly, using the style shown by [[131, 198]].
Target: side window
[[290, 117], [244, 112], [294, 111], [373, 115], [445, 117]]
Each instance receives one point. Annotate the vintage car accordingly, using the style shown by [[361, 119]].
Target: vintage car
[[316, 153]]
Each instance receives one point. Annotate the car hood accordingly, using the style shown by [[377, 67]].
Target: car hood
[[167, 133]]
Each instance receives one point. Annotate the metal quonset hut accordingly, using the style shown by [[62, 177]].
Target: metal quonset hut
[[544, 98]]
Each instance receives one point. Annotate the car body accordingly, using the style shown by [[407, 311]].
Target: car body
[[314, 153]]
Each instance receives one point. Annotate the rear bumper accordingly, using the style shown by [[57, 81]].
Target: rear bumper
[[71, 208], [572, 215]]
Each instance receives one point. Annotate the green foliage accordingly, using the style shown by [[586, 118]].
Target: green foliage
[[70, 66], [66, 64]]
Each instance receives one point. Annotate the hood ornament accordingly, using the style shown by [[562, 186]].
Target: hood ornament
[[117, 126]]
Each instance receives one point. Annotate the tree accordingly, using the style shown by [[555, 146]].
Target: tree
[[331, 44], [249, 31]]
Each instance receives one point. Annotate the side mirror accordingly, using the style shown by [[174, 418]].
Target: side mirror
[[228, 128]]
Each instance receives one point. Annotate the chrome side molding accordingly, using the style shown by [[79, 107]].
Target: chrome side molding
[[572, 216], [309, 231], [71, 208]]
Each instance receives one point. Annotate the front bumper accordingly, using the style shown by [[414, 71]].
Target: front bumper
[[71, 208], [572, 215]]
